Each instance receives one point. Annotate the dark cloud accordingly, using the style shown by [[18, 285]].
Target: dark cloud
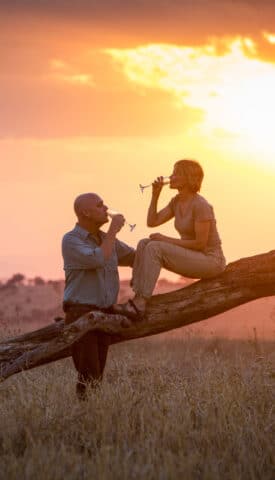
[[101, 8], [170, 20]]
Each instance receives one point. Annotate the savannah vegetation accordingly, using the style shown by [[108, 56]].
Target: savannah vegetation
[[183, 405], [169, 407]]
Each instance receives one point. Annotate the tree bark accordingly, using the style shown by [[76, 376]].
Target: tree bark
[[242, 281]]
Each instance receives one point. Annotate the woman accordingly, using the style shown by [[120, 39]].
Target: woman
[[197, 253]]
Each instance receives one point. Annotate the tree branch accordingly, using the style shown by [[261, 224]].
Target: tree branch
[[242, 281]]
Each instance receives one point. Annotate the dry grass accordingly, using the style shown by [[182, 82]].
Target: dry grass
[[168, 408]]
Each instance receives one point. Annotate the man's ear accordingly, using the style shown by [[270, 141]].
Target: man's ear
[[85, 213]]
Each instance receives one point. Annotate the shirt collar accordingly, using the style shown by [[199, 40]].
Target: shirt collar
[[83, 233]]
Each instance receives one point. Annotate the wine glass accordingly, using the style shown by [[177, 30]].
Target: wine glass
[[111, 213], [142, 187]]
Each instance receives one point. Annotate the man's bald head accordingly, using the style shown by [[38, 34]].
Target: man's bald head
[[90, 210], [83, 202]]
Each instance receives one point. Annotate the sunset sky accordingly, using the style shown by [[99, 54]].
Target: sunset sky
[[102, 95]]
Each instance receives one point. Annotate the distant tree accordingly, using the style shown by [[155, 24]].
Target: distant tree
[[38, 281], [16, 279]]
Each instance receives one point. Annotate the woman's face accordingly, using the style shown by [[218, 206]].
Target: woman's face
[[178, 179]]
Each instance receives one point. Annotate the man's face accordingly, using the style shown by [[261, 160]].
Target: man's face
[[95, 210]]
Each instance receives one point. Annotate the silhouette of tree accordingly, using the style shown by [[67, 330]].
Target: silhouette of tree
[[16, 279], [38, 281]]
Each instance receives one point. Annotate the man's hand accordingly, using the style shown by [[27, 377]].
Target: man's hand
[[110, 238], [158, 236], [116, 224]]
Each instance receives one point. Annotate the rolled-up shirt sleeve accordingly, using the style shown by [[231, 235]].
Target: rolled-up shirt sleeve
[[125, 254], [78, 255]]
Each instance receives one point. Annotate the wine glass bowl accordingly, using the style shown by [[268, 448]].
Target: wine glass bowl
[[142, 187], [111, 213]]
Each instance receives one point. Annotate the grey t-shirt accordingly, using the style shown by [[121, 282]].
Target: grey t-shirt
[[197, 209]]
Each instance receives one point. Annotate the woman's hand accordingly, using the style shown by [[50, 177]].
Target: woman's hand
[[157, 186], [158, 237]]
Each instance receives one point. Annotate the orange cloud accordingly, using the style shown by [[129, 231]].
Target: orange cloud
[[79, 79], [64, 73], [234, 89]]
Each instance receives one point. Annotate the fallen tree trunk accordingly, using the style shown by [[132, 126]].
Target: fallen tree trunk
[[242, 281]]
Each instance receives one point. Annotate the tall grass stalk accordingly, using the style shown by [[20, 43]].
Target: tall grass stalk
[[167, 409]]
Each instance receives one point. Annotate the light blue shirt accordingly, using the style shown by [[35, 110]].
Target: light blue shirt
[[89, 278]]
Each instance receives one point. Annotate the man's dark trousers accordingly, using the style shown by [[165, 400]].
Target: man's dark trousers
[[90, 352]]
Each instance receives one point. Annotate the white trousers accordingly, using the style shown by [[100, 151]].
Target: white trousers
[[152, 255]]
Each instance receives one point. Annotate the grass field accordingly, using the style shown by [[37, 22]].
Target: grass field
[[168, 408]]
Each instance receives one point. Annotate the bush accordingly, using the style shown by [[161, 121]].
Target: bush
[[38, 281], [16, 279]]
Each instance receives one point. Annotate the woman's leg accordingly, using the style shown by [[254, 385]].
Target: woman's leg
[[147, 266], [191, 263], [154, 255], [138, 263]]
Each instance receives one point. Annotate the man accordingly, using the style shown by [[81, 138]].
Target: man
[[91, 259]]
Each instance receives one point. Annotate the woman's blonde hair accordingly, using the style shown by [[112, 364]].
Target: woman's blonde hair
[[192, 171]]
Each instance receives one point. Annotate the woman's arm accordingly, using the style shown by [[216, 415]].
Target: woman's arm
[[155, 218], [199, 243]]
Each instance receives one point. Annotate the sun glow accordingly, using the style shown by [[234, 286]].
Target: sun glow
[[226, 80], [270, 37]]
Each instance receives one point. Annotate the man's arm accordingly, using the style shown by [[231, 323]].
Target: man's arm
[[110, 237], [125, 254], [78, 254]]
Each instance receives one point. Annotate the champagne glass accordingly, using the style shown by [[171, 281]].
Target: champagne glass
[[142, 187], [111, 213]]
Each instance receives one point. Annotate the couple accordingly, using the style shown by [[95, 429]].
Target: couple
[[91, 259]]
